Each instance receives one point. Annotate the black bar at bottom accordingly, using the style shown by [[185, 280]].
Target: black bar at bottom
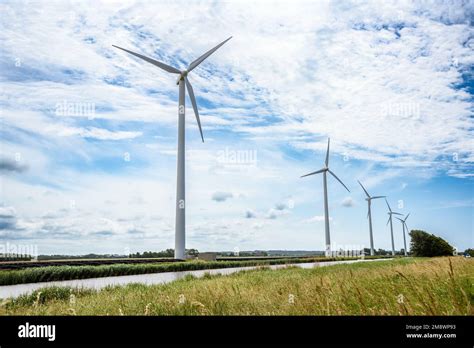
[[343, 330]]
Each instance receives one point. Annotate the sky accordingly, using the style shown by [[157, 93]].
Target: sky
[[88, 133]]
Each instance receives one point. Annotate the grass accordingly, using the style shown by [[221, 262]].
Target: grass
[[53, 273], [438, 286]]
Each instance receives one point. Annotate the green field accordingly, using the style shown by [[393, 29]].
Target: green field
[[437, 286], [52, 273]]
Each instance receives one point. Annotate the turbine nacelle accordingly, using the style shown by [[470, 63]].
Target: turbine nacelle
[[403, 220], [182, 76]]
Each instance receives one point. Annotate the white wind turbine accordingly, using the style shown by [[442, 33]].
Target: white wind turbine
[[390, 213], [183, 83], [404, 224], [369, 215], [326, 170]]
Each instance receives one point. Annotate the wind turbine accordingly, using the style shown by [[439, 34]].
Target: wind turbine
[[404, 224], [369, 215], [183, 83], [326, 170], [390, 213]]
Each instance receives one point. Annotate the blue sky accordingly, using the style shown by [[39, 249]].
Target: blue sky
[[389, 82]]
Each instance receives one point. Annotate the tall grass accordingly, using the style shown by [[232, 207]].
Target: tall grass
[[440, 286], [52, 273]]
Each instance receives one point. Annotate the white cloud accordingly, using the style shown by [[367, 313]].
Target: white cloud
[[317, 218], [275, 213], [249, 214], [8, 165], [348, 202], [97, 133], [221, 196]]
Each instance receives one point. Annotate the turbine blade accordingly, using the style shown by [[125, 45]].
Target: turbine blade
[[406, 226], [389, 218], [161, 65], [398, 219], [396, 213], [327, 155], [375, 197], [193, 101], [406, 217], [316, 172], [388, 205], [205, 55], [334, 175], [363, 188]]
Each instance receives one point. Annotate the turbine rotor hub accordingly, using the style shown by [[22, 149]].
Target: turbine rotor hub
[[181, 76]]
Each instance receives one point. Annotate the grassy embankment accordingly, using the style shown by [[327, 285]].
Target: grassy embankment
[[52, 273], [438, 286]]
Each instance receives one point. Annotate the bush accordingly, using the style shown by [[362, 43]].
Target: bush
[[428, 245], [47, 294], [469, 252]]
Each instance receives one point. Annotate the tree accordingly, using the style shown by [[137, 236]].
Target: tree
[[469, 252], [428, 245], [381, 252], [154, 254], [192, 252]]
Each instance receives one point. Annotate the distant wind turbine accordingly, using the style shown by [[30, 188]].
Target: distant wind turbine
[[369, 215], [404, 224], [326, 209], [183, 82], [390, 213]]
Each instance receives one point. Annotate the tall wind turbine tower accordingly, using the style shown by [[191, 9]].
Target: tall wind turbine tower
[[404, 224], [390, 213], [369, 215], [183, 83], [326, 170]]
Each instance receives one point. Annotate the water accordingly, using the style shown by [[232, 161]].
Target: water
[[148, 279]]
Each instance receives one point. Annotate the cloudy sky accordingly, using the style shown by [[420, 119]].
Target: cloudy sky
[[88, 132]]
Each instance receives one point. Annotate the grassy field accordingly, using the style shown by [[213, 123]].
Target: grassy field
[[439, 286], [52, 273]]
